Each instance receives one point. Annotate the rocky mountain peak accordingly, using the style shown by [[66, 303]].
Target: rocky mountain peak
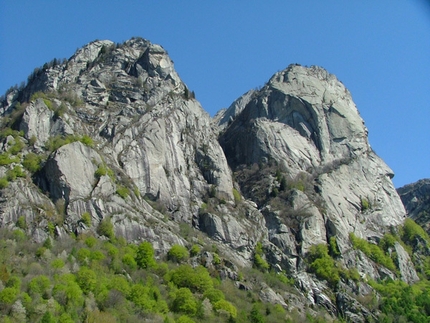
[[114, 134]]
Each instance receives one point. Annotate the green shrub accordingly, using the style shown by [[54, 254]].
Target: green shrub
[[3, 182], [87, 140], [21, 222], [6, 159], [105, 228], [226, 306], [123, 191], [86, 219], [184, 302], [39, 284], [129, 260], [196, 279], [195, 250], [184, 319], [236, 195], [259, 262], [145, 255], [57, 263], [323, 265], [86, 279], [372, 251], [16, 147], [8, 295], [32, 162], [411, 230], [333, 248], [101, 171], [365, 205], [214, 295], [90, 242], [178, 253], [15, 172]]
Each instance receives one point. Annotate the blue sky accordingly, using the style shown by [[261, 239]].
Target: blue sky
[[379, 49]]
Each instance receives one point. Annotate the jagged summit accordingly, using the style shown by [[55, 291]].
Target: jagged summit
[[113, 133]]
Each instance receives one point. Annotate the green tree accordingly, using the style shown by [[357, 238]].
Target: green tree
[[145, 255], [255, 316], [8, 295], [39, 284], [184, 302], [106, 228], [178, 253], [86, 279]]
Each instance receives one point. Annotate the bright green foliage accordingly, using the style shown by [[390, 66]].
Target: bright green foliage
[[323, 265], [184, 302], [401, 300], [122, 191], [333, 248], [39, 284], [178, 253], [14, 282], [86, 279], [3, 182], [65, 318], [16, 147], [6, 159], [214, 295], [196, 279], [225, 306], [56, 142], [86, 218], [106, 228], [8, 295], [21, 223], [121, 284], [372, 251], [97, 255], [411, 231], [195, 250], [388, 241], [255, 316], [48, 318], [101, 171], [68, 291], [259, 262], [365, 205], [32, 162], [57, 263], [87, 140], [129, 260], [184, 319], [83, 255], [145, 255], [15, 172], [236, 195], [90, 241], [48, 243], [147, 298]]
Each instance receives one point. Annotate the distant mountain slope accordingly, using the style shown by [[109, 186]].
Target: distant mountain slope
[[416, 199]]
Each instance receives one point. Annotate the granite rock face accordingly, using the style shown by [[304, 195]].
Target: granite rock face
[[119, 136], [304, 119]]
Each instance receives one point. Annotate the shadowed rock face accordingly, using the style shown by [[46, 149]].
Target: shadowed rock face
[[416, 198], [122, 137]]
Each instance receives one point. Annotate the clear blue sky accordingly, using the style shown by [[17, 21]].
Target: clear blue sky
[[379, 49]]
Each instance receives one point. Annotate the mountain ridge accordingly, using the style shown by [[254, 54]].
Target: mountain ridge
[[113, 133]]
